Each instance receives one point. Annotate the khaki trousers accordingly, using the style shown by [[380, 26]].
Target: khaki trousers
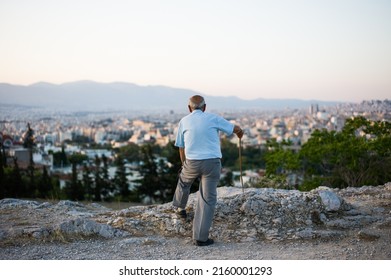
[[208, 171]]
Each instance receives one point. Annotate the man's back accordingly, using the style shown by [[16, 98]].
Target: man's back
[[198, 133]]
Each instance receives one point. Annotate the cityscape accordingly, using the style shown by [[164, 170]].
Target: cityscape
[[103, 131]]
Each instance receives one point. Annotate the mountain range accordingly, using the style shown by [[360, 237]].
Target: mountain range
[[89, 95]]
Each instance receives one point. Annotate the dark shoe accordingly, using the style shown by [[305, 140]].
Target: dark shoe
[[204, 243], [181, 214]]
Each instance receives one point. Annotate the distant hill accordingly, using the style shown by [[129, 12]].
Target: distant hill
[[89, 95]]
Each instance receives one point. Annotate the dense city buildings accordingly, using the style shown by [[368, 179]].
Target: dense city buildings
[[98, 133]]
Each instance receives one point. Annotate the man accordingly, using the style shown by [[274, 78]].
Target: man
[[199, 149]]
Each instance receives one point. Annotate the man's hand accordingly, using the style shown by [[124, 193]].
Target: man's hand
[[238, 131]]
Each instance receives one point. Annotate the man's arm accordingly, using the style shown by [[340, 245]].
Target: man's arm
[[182, 155]]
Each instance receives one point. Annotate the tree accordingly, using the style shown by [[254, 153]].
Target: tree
[[167, 182], [29, 143], [171, 170], [253, 157], [106, 188], [45, 186], [75, 190], [120, 181], [230, 154], [228, 179], [280, 159], [60, 158], [158, 176], [316, 156], [358, 155], [370, 155], [2, 173], [149, 183], [87, 182], [98, 180], [130, 152], [15, 185]]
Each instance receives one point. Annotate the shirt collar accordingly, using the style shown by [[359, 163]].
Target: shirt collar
[[197, 111]]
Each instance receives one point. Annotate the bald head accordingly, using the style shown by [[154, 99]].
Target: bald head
[[197, 102]]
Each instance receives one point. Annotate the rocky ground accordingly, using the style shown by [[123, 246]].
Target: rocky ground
[[353, 223]]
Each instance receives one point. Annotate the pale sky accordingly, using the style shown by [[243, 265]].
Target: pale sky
[[336, 50]]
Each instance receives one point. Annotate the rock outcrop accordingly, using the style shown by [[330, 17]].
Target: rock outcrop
[[241, 216]]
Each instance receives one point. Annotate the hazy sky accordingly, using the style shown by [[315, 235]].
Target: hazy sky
[[328, 50]]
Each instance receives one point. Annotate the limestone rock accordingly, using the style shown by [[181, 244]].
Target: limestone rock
[[368, 235], [330, 200], [247, 215], [89, 227]]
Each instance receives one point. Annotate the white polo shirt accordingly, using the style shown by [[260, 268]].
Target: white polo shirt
[[198, 133]]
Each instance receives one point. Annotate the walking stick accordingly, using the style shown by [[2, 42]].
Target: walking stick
[[240, 164]]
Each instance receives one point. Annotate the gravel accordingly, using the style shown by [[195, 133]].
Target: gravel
[[351, 247]]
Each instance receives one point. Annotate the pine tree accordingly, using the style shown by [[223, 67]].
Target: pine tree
[[87, 183], [168, 172], [106, 183], [98, 182], [2, 173], [228, 179], [29, 143], [45, 186], [148, 185], [120, 181], [16, 186], [63, 157], [75, 189]]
